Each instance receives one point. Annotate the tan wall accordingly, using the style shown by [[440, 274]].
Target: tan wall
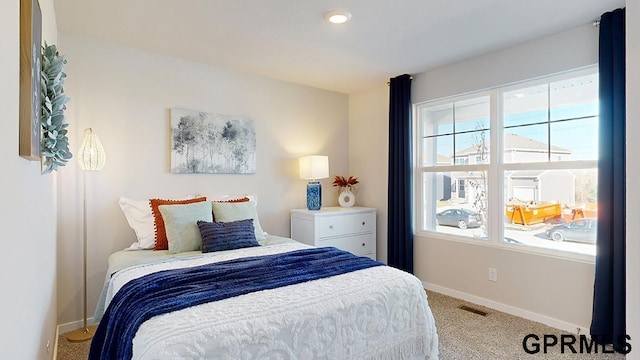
[[28, 214]]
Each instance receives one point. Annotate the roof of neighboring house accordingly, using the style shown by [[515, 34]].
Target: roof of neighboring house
[[518, 143], [444, 159]]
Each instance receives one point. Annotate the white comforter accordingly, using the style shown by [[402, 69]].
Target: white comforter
[[375, 313]]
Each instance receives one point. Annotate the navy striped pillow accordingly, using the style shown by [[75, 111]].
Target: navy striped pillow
[[219, 236]]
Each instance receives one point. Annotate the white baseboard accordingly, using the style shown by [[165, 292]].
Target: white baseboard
[[529, 315], [63, 328]]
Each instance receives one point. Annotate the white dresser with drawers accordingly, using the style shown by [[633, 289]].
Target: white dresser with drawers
[[348, 228]]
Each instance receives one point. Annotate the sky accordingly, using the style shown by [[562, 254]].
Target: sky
[[564, 111], [573, 127]]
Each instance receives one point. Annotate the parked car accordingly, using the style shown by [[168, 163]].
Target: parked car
[[461, 218], [581, 230]]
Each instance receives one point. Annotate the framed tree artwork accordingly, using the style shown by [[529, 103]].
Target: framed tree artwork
[[30, 87], [204, 143]]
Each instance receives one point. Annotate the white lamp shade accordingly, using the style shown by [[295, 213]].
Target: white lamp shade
[[314, 167], [91, 155]]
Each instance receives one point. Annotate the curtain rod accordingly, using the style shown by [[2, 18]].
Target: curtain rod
[[389, 82]]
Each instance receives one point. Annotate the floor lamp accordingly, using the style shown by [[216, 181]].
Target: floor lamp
[[91, 157]]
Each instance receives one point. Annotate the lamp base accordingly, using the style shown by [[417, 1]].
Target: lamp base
[[82, 334], [314, 195]]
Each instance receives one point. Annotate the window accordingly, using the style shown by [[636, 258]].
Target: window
[[514, 165]]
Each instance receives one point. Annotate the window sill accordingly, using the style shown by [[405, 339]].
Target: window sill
[[521, 248]]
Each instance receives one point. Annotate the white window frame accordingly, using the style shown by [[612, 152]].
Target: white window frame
[[495, 169]]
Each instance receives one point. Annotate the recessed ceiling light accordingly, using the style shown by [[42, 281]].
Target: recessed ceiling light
[[337, 16]]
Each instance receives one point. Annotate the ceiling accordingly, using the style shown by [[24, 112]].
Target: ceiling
[[289, 40]]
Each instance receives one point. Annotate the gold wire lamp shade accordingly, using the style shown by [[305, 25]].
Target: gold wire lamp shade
[[91, 157]]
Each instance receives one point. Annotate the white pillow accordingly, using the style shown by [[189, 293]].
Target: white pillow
[[234, 211], [140, 219], [181, 224]]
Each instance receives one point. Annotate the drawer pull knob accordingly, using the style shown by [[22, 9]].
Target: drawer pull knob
[[363, 223], [364, 244], [331, 227]]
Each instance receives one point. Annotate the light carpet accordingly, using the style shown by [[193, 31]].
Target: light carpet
[[463, 335]]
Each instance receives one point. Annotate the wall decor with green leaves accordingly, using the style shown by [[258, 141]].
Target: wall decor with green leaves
[[55, 143]]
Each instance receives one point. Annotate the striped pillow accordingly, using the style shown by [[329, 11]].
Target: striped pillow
[[220, 236]]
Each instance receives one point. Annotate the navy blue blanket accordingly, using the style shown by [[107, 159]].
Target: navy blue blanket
[[172, 290]]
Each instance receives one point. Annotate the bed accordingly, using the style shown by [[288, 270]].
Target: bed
[[361, 310]]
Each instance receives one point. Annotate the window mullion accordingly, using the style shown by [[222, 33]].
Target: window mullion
[[549, 122], [495, 176]]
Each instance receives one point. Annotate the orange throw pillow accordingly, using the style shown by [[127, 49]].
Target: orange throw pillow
[[161, 235]]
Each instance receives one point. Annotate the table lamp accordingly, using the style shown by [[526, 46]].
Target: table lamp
[[312, 168]]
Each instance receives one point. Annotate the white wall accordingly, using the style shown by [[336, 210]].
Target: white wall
[[125, 95], [554, 290], [28, 214], [633, 175]]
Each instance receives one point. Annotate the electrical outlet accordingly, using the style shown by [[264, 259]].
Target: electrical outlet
[[48, 346], [493, 274]]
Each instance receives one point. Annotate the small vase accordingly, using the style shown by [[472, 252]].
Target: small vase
[[346, 198]]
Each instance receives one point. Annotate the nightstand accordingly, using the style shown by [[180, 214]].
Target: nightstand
[[352, 229]]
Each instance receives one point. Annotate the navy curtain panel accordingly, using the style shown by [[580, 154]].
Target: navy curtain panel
[[400, 218], [608, 320]]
